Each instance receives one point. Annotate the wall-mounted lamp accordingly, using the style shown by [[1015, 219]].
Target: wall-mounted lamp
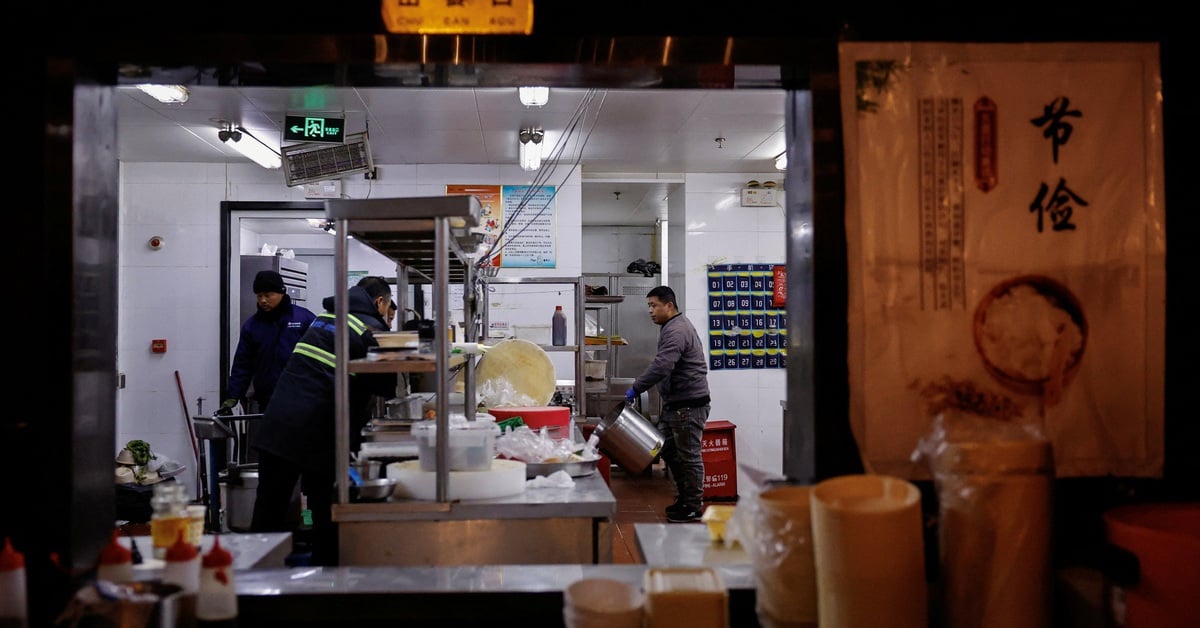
[[533, 96], [781, 161], [166, 93], [530, 148], [255, 149]]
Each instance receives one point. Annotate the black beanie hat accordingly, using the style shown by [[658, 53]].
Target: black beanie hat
[[268, 281]]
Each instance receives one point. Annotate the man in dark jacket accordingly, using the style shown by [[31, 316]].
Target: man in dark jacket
[[265, 344], [681, 372], [296, 435]]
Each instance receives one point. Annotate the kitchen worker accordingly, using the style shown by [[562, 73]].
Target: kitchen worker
[[381, 297], [296, 435], [680, 370], [265, 344]]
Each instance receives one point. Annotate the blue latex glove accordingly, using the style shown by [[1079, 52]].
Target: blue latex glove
[[630, 396]]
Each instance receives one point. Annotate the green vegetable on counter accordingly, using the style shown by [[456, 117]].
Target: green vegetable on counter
[[140, 450]]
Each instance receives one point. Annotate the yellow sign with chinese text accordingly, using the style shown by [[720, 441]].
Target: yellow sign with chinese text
[[458, 17]]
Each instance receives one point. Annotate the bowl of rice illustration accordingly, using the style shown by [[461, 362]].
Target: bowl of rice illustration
[[1031, 332]]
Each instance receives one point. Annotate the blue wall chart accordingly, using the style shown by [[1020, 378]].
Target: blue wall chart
[[747, 322]]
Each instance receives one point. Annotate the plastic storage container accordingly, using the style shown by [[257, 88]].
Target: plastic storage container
[[471, 447], [170, 516]]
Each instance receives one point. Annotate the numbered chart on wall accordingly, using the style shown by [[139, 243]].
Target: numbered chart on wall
[[747, 322]]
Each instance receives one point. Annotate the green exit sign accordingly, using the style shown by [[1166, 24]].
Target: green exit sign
[[314, 129]]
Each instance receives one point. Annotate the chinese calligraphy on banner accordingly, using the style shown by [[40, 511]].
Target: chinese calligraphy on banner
[[1005, 235], [518, 222], [746, 329]]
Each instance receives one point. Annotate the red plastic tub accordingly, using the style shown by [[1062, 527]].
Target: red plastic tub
[[557, 418]]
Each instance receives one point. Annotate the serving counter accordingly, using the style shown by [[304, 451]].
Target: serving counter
[[538, 526], [499, 595]]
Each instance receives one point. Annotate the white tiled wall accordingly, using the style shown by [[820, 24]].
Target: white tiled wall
[[716, 229], [173, 293]]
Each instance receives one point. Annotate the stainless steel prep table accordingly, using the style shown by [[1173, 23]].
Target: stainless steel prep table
[[539, 526], [684, 545], [499, 595], [250, 550]]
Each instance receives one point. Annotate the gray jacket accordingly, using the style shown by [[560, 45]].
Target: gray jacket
[[679, 368]]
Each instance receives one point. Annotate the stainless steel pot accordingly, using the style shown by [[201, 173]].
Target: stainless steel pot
[[628, 438], [239, 483]]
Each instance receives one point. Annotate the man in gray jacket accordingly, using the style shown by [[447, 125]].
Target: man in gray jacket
[[681, 372]]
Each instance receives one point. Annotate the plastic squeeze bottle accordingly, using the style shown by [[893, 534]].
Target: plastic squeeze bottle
[[13, 610], [558, 327], [216, 605], [183, 565], [115, 563]]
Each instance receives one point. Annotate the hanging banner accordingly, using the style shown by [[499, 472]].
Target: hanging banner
[[1006, 244]]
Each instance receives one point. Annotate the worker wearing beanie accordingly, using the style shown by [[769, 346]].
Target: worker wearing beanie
[[266, 342]]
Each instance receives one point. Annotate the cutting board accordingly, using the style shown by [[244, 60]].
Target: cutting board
[[505, 478]]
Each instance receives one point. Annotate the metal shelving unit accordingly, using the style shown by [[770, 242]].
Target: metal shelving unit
[[580, 336], [430, 237]]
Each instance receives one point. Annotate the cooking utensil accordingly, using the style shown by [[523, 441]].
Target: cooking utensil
[[628, 438], [365, 469], [376, 490], [576, 469], [355, 477]]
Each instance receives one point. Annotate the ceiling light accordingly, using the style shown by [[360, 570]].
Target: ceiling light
[[166, 93], [530, 148], [243, 142], [533, 96], [781, 161]]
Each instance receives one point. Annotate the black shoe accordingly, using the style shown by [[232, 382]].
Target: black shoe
[[685, 514], [675, 507]]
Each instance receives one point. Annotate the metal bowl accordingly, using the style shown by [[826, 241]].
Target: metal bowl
[[376, 490], [576, 469]]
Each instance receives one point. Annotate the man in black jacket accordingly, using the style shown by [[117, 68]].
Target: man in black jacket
[[296, 436], [680, 370]]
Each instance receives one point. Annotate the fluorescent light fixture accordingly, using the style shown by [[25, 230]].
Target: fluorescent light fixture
[[530, 148], [781, 161], [166, 93], [533, 96], [243, 142]]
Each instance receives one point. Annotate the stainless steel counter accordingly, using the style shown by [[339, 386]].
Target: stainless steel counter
[[684, 545], [249, 550], [539, 526], [476, 595]]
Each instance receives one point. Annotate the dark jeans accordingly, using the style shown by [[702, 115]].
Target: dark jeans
[[277, 479], [683, 433]]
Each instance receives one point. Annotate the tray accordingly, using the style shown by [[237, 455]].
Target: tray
[[576, 469], [602, 298]]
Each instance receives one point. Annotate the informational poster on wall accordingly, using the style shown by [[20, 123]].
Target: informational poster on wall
[[1006, 250], [491, 217], [747, 326], [519, 223]]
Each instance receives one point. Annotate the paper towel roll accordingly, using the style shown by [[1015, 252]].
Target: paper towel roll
[[869, 553]]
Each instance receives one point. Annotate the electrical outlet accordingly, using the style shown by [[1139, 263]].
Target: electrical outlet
[[371, 174]]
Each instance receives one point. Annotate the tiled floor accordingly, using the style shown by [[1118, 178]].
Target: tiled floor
[[640, 499]]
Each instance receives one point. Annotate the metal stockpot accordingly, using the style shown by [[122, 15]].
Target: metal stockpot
[[628, 438], [239, 484]]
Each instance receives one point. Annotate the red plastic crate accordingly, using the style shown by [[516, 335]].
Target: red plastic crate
[[720, 462]]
